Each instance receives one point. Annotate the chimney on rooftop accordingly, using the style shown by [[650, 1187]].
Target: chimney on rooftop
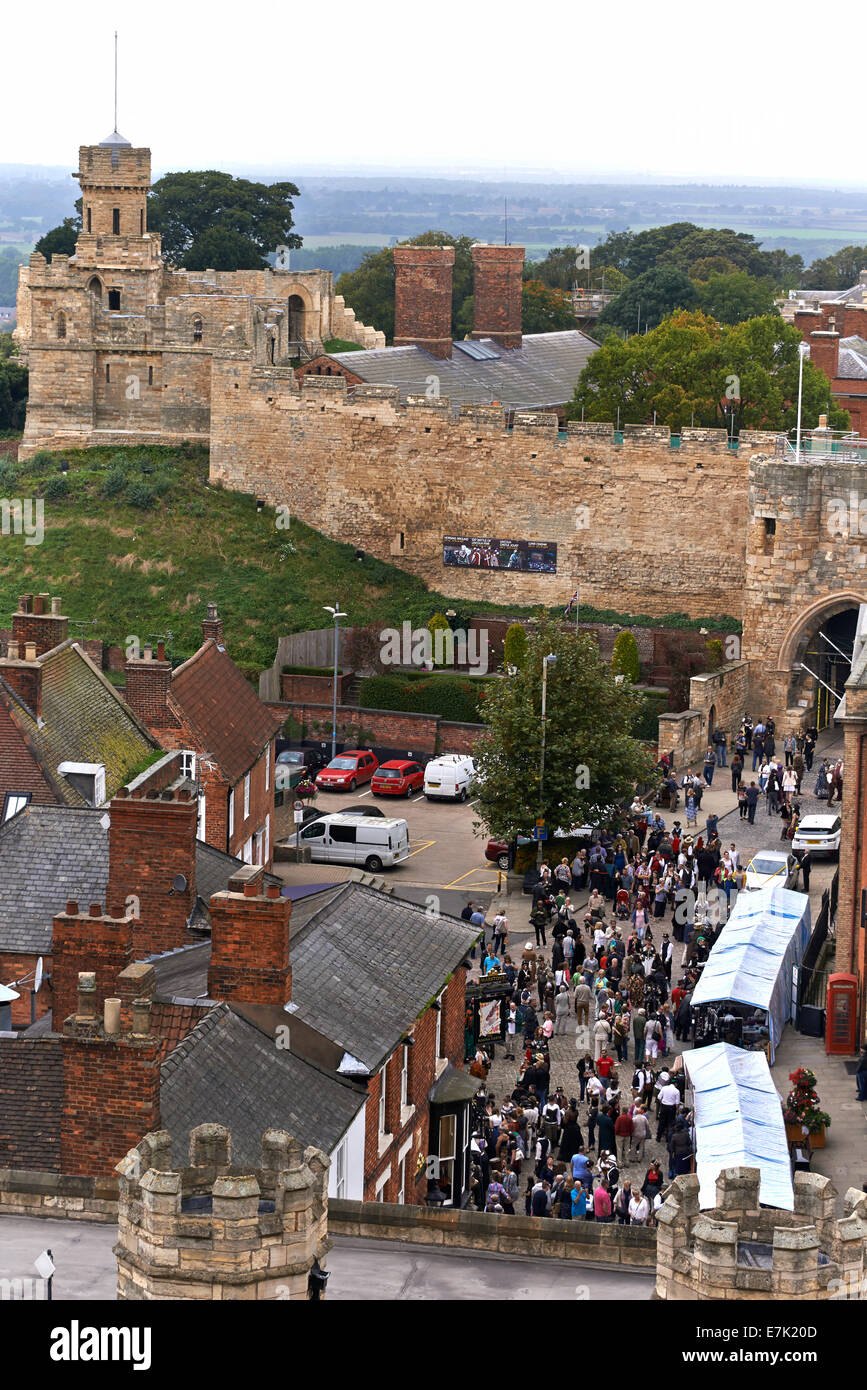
[[250, 941], [23, 672], [825, 350], [40, 620], [497, 287], [423, 298], [148, 683], [212, 626]]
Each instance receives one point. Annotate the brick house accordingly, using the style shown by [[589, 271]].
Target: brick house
[[206, 708], [66, 736], [836, 332], [252, 1028]]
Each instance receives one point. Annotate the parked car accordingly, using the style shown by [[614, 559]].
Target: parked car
[[374, 842], [449, 778], [293, 765], [819, 834], [499, 852], [347, 771], [398, 777], [771, 867], [366, 810]]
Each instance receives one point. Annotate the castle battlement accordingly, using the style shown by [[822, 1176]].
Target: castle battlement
[[215, 1230], [740, 1250]]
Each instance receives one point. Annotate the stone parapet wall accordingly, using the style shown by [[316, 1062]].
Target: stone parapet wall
[[25, 1192]]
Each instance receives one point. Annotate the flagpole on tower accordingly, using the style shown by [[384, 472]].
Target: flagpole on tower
[[115, 79]]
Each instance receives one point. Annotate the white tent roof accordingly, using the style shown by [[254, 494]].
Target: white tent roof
[[767, 929], [738, 1122]]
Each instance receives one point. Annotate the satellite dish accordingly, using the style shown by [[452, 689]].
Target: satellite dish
[[179, 884], [7, 994], [38, 980], [44, 1265]]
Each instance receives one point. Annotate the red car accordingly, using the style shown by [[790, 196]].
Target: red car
[[397, 778], [346, 771]]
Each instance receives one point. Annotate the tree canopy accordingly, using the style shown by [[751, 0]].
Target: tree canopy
[[369, 290], [591, 762], [693, 368], [649, 298], [254, 218], [837, 272], [60, 240], [13, 385], [733, 297]]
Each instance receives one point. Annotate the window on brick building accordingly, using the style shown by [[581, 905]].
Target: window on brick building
[[114, 299], [438, 1047], [268, 767], [447, 1143], [267, 838], [247, 796], [231, 812], [197, 330], [401, 1181], [340, 1172], [188, 765], [383, 1087], [13, 803], [115, 221], [247, 852], [404, 1076], [60, 323]]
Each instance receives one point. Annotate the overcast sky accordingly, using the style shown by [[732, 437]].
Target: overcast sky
[[723, 92]]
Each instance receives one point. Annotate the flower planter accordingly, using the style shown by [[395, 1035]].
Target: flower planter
[[794, 1135], [817, 1140]]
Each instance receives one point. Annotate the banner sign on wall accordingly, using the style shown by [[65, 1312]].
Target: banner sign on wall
[[489, 552]]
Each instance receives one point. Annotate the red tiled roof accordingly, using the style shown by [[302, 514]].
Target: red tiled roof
[[224, 709], [172, 1022]]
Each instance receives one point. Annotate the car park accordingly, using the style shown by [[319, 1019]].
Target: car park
[[397, 777], [371, 842], [347, 771], [449, 778], [771, 867], [820, 834], [293, 765], [501, 852]]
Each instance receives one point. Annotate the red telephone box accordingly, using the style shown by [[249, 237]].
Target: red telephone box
[[842, 1015]]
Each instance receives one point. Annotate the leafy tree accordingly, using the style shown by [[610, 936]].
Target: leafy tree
[[369, 290], [222, 248], [256, 217], [60, 240], [691, 367], [649, 298], [515, 646], [837, 272], [624, 658], [438, 623], [13, 385], [785, 270], [545, 310], [591, 761], [733, 297], [633, 253], [700, 243]]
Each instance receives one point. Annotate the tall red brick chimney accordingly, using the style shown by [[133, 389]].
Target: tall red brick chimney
[[825, 350], [148, 682], [39, 620], [423, 298], [212, 626], [250, 941], [497, 286], [86, 939], [20, 669]]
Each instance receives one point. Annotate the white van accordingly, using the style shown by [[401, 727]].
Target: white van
[[372, 842], [449, 777]]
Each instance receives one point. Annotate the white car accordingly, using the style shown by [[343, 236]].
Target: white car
[[769, 867], [819, 834], [449, 778], [371, 842]]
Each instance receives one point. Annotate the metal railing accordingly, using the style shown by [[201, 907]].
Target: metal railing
[[841, 446]]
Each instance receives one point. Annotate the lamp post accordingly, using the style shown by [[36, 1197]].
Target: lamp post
[[336, 615], [803, 349], [547, 661]]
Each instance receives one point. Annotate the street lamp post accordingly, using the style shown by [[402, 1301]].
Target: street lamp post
[[547, 661], [803, 349], [336, 615]]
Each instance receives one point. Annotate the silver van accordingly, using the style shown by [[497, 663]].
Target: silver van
[[372, 842]]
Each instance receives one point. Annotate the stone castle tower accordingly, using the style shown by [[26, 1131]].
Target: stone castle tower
[[740, 1250], [216, 1231], [120, 345]]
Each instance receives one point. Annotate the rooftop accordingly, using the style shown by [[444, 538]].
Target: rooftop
[[224, 709]]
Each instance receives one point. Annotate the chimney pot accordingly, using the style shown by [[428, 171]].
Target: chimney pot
[[25, 603], [86, 994], [111, 1016], [29, 651], [148, 653], [212, 611], [250, 890], [56, 608], [141, 1017], [95, 910], [71, 908], [12, 651], [161, 651], [273, 890]]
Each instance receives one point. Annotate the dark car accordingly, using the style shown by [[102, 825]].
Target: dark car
[[293, 765]]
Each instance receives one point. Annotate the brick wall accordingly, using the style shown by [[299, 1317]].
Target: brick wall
[[250, 942], [15, 965], [423, 297], [418, 733], [87, 940], [151, 841], [316, 688], [497, 288], [111, 1093]]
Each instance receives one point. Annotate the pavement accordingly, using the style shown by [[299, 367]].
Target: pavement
[[365, 1270]]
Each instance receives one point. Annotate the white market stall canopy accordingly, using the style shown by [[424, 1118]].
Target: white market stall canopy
[[751, 962], [738, 1122]]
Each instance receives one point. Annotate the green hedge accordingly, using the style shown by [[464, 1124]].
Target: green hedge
[[311, 671], [449, 697]]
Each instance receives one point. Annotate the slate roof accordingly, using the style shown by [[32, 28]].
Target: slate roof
[[367, 964], [31, 1103], [541, 373], [224, 709], [83, 720], [227, 1071], [49, 854], [852, 359]]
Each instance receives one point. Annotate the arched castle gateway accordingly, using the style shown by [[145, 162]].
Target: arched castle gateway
[[119, 345]]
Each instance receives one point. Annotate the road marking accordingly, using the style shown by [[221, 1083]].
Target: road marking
[[456, 881], [361, 794], [425, 844], [472, 803]]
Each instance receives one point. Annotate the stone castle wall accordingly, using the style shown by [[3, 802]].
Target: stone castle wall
[[643, 526]]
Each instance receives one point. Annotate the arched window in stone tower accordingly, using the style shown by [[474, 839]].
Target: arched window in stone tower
[[95, 287], [60, 323], [197, 330], [115, 221]]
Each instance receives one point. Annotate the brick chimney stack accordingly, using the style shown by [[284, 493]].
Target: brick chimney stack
[[86, 940], [825, 349], [23, 672], [250, 941], [148, 682], [423, 298], [39, 620], [497, 286], [212, 626]]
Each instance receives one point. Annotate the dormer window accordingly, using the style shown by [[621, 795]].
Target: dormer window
[[13, 803], [88, 779]]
